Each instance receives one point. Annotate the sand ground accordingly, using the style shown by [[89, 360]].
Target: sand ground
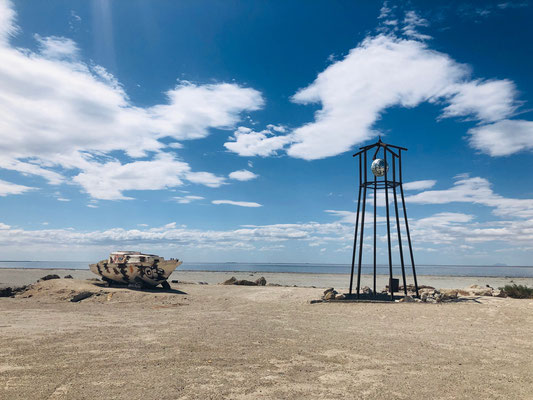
[[235, 342], [17, 277]]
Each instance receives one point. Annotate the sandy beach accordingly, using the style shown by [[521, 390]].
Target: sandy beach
[[235, 342]]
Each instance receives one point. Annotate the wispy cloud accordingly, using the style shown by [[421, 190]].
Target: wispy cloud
[[187, 199], [8, 188], [238, 203], [243, 175], [419, 185]]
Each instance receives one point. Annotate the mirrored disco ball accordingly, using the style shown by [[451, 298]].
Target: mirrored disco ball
[[379, 167]]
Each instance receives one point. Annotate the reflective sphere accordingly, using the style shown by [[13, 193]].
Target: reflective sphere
[[379, 167]]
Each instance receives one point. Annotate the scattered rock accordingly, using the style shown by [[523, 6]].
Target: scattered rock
[[51, 276], [330, 295], [406, 299], [175, 281], [366, 290], [230, 281], [315, 301], [476, 290], [244, 282], [203, 283], [81, 296], [449, 294], [12, 291], [261, 281], [68, 277], [273, 284]]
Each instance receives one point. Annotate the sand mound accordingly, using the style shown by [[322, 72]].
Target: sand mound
[[75, 290]]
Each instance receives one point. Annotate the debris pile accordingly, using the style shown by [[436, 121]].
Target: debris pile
[[428, 294], [11, 291]]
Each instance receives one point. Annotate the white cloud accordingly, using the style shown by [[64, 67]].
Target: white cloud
[[8, 188], [246, 142], [187, 199], [412, 22], [65, 115], [108, 181], [476, 190], [5, 226], [383, 71], [62, 199], [503, 137], [243, 175], [7, 21], [487, 101], [419, 185], [56, 47], [237, 203]]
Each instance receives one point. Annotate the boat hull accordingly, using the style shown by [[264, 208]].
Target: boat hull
[[149, 273]]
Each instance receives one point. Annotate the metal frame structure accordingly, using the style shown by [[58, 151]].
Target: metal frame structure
[[395, 153]]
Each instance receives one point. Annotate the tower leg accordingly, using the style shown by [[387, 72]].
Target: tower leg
[[361, 242], [399, 239], [409, 241], [355, 239], [375, 201], [388, 229]]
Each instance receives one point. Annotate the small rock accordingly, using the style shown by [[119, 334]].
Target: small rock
[[449, 294], [230, 281], [330, 295], [6, 292], [406, 299], [328, 290], [175, 281], [340, 297], [203, 283], [51, 276], [261, 281], [366, 290], [81, 296], [273, 284], [315, 301], [68, 277], [244, 282]]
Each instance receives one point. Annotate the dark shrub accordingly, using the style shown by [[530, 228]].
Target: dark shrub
[[517, 291]]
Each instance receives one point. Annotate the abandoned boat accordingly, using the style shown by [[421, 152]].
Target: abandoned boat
[[135, 268]]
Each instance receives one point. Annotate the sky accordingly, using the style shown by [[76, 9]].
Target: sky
[[224, 131]]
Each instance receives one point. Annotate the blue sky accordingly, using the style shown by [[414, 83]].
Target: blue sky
[[223, 131]]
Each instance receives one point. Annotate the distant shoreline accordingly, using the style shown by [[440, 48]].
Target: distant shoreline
[[396, 272]]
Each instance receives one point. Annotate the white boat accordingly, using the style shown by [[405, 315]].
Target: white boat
[[136, 268]]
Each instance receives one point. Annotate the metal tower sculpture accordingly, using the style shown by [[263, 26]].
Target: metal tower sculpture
[[380, 171]]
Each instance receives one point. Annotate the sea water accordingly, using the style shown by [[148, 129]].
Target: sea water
[[381, 269]]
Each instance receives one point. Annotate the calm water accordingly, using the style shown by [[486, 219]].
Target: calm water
[[446, 270]]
